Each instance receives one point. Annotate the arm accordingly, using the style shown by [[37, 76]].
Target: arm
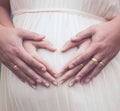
[[5, 14], [104, 46], [12, 52]]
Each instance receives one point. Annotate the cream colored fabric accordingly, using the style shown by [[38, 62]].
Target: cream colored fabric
[[102, 94]]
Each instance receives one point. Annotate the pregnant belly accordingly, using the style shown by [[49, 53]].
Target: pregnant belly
[[58, 28]]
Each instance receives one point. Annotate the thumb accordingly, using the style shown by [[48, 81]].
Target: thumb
[[85, 34], [25, 34], [70, 44]]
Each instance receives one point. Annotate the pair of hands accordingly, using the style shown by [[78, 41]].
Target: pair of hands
[[20, 48]]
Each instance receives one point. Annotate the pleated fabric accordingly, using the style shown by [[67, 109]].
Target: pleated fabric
[[101, 94]]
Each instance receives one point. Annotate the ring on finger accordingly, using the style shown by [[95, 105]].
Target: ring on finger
[[15, 67], [94, 60]]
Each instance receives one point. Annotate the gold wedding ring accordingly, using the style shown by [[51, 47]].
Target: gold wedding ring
[[95, 60], [15, 67], [101, 63]]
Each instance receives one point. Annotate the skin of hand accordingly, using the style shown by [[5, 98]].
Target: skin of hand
[[105, 45], [31, 47], [65, 72], [13, 53]]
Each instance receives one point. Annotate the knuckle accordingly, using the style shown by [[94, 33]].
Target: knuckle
[[101, 56], [97, 46], [83, 58], [15, 50], [31, 62]]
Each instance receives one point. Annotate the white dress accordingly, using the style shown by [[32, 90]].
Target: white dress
[[60, 20]]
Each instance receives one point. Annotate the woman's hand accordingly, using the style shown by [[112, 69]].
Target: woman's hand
[[32, 47], [16, 58], [66, 73], [105, 38]]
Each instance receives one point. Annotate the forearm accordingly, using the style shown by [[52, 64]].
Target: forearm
[[5, 19]]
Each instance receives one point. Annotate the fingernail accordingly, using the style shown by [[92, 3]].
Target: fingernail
[[77, 79], [33, 86], [43, 69], [70, 84], [47, 84], [71, 66], [61, 81], [56, 75], [87, 80], [55, 83]]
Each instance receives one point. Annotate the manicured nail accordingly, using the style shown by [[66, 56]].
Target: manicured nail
[[87, 80], [77, 79], [70, 84], [55, 83], [43, 69], [56, 75], [33, 86], [71, 66], [47, 84]]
